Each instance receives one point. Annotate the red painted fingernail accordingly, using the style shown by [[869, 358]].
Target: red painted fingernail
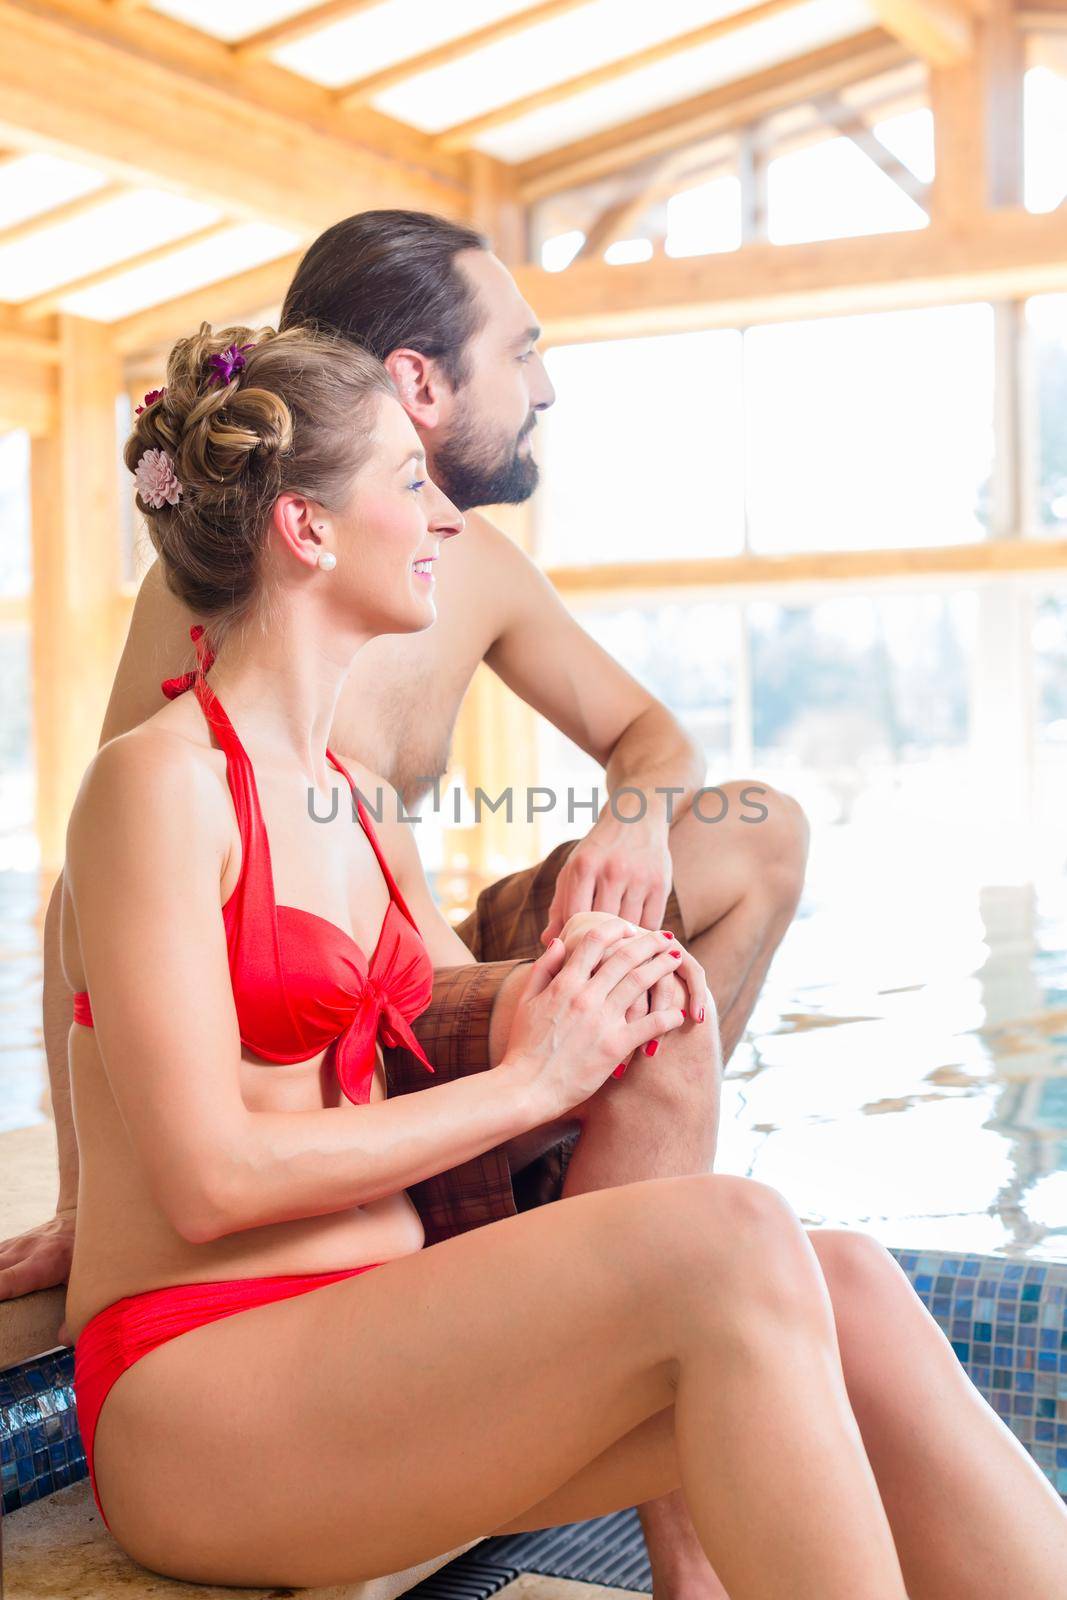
[[651, 1047], [684, 1013], [666, 932], [619, 1070], [677, 954], [701, 1016]]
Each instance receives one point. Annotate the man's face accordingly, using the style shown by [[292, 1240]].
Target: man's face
[[482, 452]]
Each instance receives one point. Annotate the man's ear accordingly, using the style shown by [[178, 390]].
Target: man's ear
[[419, 385]]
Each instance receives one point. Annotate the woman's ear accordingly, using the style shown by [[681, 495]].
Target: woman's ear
[[300, 527], [418, 384]]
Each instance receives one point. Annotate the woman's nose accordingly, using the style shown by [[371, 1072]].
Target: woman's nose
[[446, 520]]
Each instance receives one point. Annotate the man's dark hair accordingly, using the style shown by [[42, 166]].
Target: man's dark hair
[[387, 280]]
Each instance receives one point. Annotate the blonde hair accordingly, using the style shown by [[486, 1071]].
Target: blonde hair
[[296, 417]]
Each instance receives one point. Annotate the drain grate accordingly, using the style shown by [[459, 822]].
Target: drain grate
[[463, 1579], [607, 1550]]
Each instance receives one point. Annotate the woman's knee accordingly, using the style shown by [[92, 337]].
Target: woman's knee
[[865, 1283], [736, 1247]]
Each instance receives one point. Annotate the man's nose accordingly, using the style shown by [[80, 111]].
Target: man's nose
[[542, 394]]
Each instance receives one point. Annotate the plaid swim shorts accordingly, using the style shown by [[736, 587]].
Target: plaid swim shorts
[[502, 932]]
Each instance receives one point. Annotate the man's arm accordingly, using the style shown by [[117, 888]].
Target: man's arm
[[544, 655]]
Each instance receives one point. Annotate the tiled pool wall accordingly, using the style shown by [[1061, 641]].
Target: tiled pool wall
[[1007, 1321]]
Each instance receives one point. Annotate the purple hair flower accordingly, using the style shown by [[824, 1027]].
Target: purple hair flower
[[149, 400], [229, 362]]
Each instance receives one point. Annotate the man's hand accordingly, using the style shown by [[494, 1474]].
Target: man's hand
[[622, 868], [40, 1258]]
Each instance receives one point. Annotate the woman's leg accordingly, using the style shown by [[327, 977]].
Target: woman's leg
[[973, 1516], [382, 1420]]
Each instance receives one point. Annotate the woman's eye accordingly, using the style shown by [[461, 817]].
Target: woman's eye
[[420, 484]]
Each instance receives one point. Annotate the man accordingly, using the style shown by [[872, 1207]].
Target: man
[[428, 297]]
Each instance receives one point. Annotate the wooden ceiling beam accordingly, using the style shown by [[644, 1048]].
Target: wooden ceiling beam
[[847, 122], [463, 134], [287, 30], [1006, 253], [939, 31], [51, 299], [81, 205], [442, 55], [732, 105], [235, 299], [617, 220], [236, 134]]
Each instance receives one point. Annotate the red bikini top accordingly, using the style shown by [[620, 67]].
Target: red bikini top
[[300, 983]]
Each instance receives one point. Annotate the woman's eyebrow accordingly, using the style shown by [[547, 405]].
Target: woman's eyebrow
[[412, 455]]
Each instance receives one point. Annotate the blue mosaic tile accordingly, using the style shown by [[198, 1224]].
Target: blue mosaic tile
[[40, 1446]]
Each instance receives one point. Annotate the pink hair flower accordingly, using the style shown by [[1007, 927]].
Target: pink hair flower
[[149, 400], [157, 482], [228, 362]]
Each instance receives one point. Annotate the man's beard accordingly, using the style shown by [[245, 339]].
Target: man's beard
[[473, 470]]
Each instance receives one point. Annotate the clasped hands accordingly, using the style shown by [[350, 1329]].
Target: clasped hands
[[685, 987]]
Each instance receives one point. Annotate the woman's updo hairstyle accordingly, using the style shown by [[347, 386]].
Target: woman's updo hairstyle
[[295, 415]]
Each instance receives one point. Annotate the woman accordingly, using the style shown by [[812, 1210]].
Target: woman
[[252, 1413]]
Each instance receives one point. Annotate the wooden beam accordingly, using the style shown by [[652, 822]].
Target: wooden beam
[[235, 135], [27, 389], [76, 569], [441, 55], [17, 342], [621, 216], [730, 106], [237, 299], [848, 122], [67, 212], [288, 29], [990, 559], [51, 299], [978, 123], [495, 207], [940, 31], [1009, 253], [463, 134]]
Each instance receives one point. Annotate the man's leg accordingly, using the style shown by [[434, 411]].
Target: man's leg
[[738, 883]]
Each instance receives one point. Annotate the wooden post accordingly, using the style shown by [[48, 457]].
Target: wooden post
[[978, 122], [74, 498]]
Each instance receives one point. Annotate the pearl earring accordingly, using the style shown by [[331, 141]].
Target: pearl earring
[[327, 560]]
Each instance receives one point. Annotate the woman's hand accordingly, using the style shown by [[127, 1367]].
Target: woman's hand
[[686, 987], [570, 1025]]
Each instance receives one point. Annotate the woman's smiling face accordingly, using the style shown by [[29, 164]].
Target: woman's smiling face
[[388, 536]]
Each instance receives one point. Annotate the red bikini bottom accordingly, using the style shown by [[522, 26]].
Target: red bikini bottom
[[129, 1328]]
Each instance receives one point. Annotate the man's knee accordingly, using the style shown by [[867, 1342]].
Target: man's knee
[[779, 831]]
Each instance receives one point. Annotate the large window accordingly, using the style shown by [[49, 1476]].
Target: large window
[[1046, 317], [846, 433]]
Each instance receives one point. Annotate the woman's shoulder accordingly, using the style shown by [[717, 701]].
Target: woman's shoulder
[[147, 789]]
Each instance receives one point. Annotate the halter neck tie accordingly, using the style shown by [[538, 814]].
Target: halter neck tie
[[205, 657]]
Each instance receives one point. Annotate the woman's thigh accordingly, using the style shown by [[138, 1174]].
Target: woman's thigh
[[385, 1419]]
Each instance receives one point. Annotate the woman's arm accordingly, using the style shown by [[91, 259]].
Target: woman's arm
[[146, 850]]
